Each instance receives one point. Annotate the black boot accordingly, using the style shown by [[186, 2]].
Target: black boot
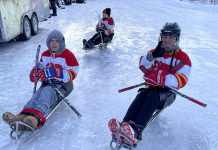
[[90, 44], [61, 7], [87, 44], [54, 14], [84, 42]]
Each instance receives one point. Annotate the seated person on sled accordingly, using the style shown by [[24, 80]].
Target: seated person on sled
[[60, 66], [104, 29], [166, 65]]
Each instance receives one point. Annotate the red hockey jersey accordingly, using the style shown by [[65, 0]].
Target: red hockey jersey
[[65, 61], [107, 24], [174, 79]]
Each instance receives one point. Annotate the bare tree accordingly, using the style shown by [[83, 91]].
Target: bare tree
[[215, 2]]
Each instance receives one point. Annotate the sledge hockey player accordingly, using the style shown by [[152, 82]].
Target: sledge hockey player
[[166, 65], [59, 66], [104, 29]]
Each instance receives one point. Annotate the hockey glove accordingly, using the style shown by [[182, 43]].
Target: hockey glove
[[33, 75], [143, 69], [159, 51], [155, 78], [50, 72], [99, 29]]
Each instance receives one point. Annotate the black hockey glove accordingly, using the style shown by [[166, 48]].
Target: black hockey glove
[[99, 29], [159, 51]]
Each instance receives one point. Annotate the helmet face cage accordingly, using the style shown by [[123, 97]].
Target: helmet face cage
[[170, 29]]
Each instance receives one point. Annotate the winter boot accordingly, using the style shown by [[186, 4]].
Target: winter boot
[[54, 14], [61, 7], [127, 130], [90, 44], [114, 125], [84, 42], [9, 118], [87, 44], [31, 121]]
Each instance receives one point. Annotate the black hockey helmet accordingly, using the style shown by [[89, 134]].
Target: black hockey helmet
[[171, 29]]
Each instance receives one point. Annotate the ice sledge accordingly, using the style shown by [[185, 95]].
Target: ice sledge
[[118, 142], [17, 134]]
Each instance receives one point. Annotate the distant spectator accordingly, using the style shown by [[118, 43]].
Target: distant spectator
[[53, 7], [67, 2], [58, 4]]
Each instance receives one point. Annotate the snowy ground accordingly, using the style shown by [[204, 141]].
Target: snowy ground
[[183, 126]]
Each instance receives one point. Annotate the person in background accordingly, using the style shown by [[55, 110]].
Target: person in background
[[104, 29], [67, 2], [53, 7]]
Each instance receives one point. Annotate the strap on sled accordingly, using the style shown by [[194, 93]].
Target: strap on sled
[[117, 144]]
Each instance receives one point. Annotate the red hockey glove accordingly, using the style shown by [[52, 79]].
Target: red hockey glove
[[155, 78], [41, 75], [51, 72], [33, 75]]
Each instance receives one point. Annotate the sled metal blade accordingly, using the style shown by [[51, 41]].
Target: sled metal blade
[[120, 142], [18, 134]]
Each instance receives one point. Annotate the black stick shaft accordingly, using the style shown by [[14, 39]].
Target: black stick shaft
[[66, 100], [131, 87]]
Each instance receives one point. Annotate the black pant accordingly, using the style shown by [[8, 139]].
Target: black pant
[[53, 6], [97, 39], [145, 104], [57, 3], [67, 2]]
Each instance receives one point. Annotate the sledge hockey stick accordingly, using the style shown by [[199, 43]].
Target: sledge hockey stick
[[174, 69], [99, 24], [66, 100], [187, 97], [145, 71], [132, 87], [36, 61], [172, 90]]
